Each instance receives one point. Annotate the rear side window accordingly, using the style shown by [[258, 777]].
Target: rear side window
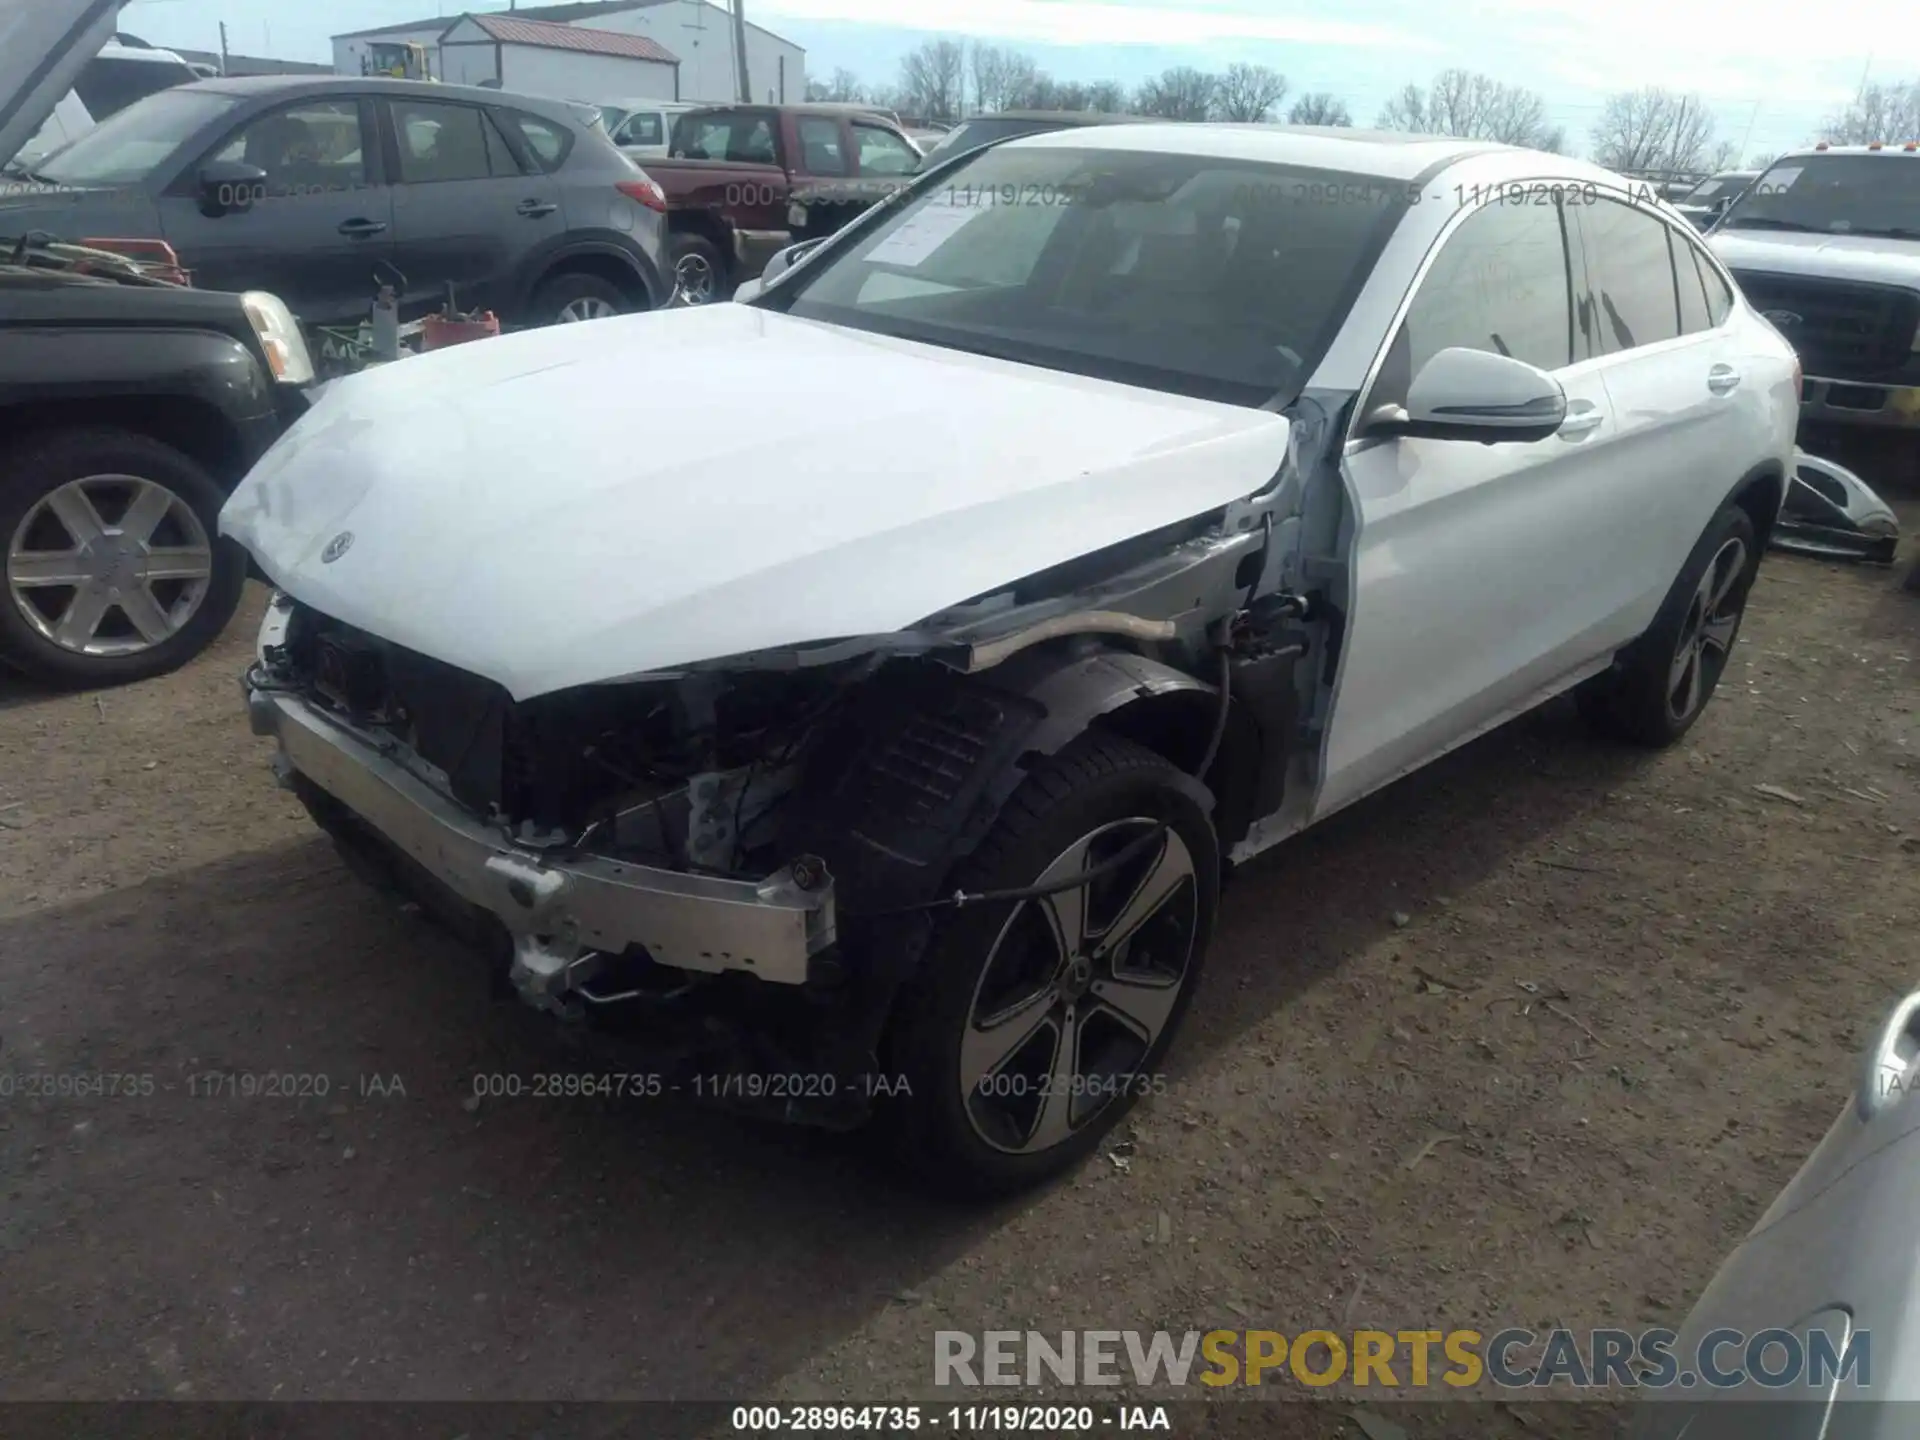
[[1499, 284], [448, 142], [1630, 268], [550, 143], [1694, 315]]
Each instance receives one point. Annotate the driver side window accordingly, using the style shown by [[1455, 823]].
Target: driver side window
[[1501, 283], [311, 147]]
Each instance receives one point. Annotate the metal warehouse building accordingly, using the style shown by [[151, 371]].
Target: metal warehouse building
[[696, 37]]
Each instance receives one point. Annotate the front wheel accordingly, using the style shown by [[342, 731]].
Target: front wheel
[[573, 297], [1664, 679], [1037, 1023], [113, 568]]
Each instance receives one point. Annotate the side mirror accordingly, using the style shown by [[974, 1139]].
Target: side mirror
[[1465, 394], [230, 185], [784, 260]]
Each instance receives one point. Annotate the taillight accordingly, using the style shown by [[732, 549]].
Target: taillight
[[645, 190]]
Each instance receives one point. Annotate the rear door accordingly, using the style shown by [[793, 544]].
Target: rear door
[[1480, 570], [1674, 387], [313, 231], [465, 209]]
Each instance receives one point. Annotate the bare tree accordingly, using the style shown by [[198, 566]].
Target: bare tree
[[1182, 93], [1761, 159], [1000, 77], [1654, 130], [1248, 94], [1319, 108], [1879, 112], [1474, 107], [843, 89], [933, 80], [1109, 97], [1724, 156]]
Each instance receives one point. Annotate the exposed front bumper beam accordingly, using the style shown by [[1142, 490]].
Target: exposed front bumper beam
[[564, 915]]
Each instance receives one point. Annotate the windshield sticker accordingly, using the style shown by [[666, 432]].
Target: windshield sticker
[[924, 232], [1778, 180]]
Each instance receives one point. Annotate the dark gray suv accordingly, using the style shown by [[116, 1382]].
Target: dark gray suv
[[304, 185]]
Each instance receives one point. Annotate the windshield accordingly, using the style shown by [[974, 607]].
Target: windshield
[[127, 148], [1208, 277], [970, 134], [1834, 195]]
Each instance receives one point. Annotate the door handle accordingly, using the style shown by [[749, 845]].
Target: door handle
[[535, 209], [1581, 422], [361, 229], [1723, 379]]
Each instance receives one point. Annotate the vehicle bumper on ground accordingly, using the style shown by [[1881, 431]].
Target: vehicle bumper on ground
[[1848, 402], [565, 915]]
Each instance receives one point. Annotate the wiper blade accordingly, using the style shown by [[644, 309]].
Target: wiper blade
[[1767, 222]]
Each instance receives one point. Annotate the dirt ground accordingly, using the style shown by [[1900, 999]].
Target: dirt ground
[[1530, 1039]]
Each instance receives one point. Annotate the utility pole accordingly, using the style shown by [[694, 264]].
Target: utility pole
[[223, 47], [740, 53]]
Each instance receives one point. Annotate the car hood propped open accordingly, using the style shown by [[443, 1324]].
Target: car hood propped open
[[586, 503]]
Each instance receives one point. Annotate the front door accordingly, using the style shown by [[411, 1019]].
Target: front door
[[313, 232], [1478, 569]]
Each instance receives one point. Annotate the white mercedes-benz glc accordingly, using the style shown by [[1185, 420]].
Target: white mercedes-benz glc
[[865, 685]]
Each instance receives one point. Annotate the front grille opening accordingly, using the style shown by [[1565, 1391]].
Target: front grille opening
[[1842, 330]]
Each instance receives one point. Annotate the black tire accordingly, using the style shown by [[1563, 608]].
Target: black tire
[[1099, 781], [37, 466], [1646, 699], [695, 254], [550, 302]]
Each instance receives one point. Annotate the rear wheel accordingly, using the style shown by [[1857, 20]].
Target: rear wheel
[[575, 296], [1664, 679], [699, 271], [1037, 1023], [112, 569]]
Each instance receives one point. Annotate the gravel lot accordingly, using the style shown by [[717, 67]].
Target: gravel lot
[[1530, 1039]]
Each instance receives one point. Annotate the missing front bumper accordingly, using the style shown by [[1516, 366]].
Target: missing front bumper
[[563, 915]]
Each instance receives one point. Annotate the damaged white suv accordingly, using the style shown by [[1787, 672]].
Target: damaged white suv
[[870, 709]]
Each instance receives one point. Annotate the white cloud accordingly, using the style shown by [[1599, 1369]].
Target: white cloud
[[1081, 22]]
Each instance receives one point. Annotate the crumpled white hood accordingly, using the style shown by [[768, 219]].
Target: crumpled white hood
[[595, 501]]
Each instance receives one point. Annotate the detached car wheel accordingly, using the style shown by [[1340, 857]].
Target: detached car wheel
[[1037, 1023], [699, 271], [113, 571], [1664, 679], [574, 297]]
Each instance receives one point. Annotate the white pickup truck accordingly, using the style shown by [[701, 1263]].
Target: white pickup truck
[[1826, 244]]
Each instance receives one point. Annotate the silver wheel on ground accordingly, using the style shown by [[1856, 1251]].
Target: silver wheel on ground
[[108, 565], [1078, 988], [1706, 635], [695, 281]]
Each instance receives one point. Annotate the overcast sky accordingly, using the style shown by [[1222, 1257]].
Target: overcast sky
[[1771, 72]]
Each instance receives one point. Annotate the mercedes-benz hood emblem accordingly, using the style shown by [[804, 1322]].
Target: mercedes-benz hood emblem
[[336, 547]]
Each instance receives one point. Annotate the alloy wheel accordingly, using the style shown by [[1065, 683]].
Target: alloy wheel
[[694, 282], [1706, 639], [109, 565], [587, 307], [1078, 988]]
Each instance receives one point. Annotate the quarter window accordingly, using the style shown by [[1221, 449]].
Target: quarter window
[[548, 141], [1499, 284], [1630, 267]]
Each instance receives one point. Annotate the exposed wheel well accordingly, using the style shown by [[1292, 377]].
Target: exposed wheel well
[[193, 427], [1759, 495], [602, 267], [1177, 726]]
